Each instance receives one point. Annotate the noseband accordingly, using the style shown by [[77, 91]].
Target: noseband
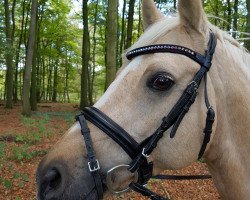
[[139, 152]]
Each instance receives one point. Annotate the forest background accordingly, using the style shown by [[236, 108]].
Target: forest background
[[70, 50]]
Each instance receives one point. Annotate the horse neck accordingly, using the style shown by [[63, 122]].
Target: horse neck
[[228, 154]]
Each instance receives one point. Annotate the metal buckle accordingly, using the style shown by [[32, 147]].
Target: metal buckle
[[144, 154], [195, 84], [95, 168]]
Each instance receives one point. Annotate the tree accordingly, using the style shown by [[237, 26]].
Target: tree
[[92, 70], [229, 13], [33, 90], [85, 56], [123, 34], [130, 23], [111, 41], [247, 43], [18, 49], [9, 57], [28, 62], [235, 18]]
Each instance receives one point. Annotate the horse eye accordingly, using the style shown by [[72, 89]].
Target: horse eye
[[161, 81]]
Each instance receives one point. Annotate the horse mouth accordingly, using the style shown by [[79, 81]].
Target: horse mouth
[[55, 182], [92, 195], [73, 194]]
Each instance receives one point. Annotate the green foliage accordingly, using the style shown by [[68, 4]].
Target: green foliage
[[21, 153], [8, 184], [201, 160], [30, 138], [28, 121], [2, 150], [37, 129], [18, 177]]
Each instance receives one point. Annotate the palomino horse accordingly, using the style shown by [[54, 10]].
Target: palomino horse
[[145, 89]]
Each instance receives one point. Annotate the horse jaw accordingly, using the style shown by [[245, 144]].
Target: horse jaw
[[227, 154]]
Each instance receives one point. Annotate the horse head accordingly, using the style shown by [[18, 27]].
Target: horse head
[[146, 88]]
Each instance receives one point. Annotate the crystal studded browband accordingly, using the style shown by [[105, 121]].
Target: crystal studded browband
[[163, 48]]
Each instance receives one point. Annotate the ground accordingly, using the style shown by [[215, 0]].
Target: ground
[[24, 141]]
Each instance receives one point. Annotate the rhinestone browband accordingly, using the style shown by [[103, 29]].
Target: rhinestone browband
[[162, 48]]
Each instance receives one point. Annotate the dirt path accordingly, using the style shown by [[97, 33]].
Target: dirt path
[[30, 139]]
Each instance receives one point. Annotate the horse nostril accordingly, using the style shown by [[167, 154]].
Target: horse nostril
[[51, 182]]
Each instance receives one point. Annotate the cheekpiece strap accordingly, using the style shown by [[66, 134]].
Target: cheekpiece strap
[[178, 112], [93, 163]]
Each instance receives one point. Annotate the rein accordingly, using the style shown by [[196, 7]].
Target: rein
[[139, 152]]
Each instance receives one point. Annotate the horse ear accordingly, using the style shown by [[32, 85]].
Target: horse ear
[[150, 13], [192, 15]]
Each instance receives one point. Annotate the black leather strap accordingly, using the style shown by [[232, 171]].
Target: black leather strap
[[121, 137], [207, 131], [178, 112], [182, 177], [139, 152], [112, 129], [93, 163]]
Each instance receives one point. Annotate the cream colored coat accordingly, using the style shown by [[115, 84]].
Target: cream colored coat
[[139, 110]]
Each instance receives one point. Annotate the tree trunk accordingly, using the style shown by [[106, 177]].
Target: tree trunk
[[12, 39], [33, 99], [33, 91], [139, 21], [235, 19], [28, 62], [15, 96], [55, 83], [25, 26], [111, 41], [43, 97], [247, 42], [92, 77], [9, 58], [66, 89], [49, 86], [216, 13], [130, 24], [85, 56], [176, 6], [229, 15], [122, 32]]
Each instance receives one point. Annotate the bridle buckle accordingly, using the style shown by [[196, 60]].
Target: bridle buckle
[[144, 154], [95, 167]]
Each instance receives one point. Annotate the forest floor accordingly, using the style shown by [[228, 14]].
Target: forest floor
[[24, 141]]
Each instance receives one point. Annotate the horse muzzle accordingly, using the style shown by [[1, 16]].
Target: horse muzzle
[[54, 182]]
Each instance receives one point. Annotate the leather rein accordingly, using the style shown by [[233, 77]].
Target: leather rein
[[139, 152]]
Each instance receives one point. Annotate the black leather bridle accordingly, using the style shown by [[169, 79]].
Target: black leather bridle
[[139, 152]]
